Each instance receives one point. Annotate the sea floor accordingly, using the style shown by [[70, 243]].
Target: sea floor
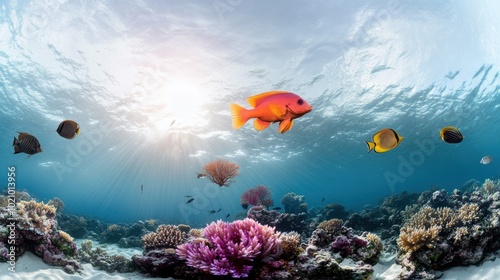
[[30, 266]]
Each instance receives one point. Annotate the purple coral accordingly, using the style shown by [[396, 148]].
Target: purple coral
[[231, 248], [342, 245]]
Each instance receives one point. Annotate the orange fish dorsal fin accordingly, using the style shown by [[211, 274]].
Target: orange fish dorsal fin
[[256, 99]]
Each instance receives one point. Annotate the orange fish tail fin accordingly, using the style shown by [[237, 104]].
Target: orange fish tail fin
[[239, 115], [371, 145]]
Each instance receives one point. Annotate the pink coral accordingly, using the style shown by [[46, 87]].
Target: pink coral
[[231, 248], [260, 195]]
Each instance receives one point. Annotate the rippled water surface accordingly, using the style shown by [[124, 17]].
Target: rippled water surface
[[150, 83]]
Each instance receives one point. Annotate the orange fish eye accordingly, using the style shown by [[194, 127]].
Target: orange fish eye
[[300, 101]]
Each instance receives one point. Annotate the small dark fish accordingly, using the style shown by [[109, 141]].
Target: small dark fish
[[211, 212], [227, 216], [451, 134], [172, 123], [26, 143], [142, 188], [188, 196], [276, 208], [219, 210], [68, 129], [323, 199], [244, 205], [200, 175], [189, 201]]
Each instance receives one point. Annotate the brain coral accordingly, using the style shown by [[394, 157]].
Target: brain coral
[[332, 226]]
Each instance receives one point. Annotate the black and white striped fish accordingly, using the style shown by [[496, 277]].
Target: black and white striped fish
[[26, 143]]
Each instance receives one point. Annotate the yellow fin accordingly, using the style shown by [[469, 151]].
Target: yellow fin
[[239, 115], [371, 145], [285, 125], [277, 110], [254, 100], [260, 124], [77, 130]]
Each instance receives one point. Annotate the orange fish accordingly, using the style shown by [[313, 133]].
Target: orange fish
[[269, 107]]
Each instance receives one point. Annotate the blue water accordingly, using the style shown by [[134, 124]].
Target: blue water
[[126, 71]]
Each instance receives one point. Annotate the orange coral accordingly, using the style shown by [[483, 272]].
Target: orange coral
[[221, 172]]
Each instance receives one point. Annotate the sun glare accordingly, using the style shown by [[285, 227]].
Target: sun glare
[[180, 105]]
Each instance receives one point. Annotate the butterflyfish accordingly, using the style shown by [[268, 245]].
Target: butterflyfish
[[26, 143], [270, 107], [384, 141], [68, 129], [486, 160], [451, 134]]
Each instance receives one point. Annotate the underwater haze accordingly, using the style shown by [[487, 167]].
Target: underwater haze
[[150, 83]]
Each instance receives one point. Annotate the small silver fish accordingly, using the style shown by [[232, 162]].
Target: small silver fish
[[486, 160]]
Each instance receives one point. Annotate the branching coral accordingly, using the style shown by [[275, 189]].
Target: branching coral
[[221, 172], [37, 217], [332, 226], [423, 228], [468, 213], [460, 234], [166, 236], [490, 187], [411, 239], [65, 236], [374, 240], [231, 248], [260, 195]]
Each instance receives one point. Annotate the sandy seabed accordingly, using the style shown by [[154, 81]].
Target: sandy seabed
[[30, 266]]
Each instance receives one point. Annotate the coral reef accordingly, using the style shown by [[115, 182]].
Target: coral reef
[[293, 203], [332, 236], [100, 258], [324, 266], [32, 226], [231, 248], [260, 195], [64, 242], [439, 237], [113, 233], [290, 248], [35, 218], [384, 219], [331, 227], [57, 203], [166, 236], [221, 172], [333, 210], [281, 221], [164, 263]]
